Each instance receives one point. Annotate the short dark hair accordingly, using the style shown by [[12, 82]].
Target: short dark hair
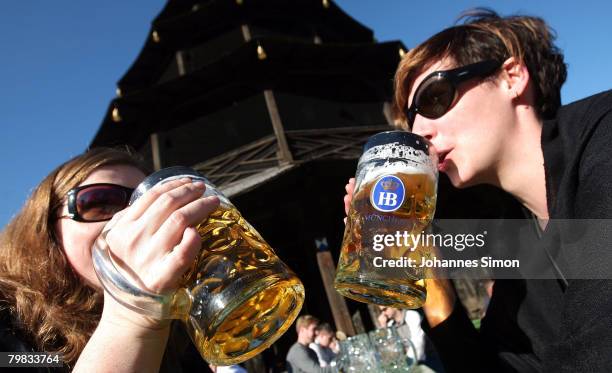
[[485, 35], [325, 327]]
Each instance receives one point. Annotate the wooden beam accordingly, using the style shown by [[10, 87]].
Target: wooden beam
[[344, 143], [155, 152], [180, 63], [350, 130], [358, 323], [249, 182], [374, 312], [246, 32], [261, 144], [283, 147], [342, 317]]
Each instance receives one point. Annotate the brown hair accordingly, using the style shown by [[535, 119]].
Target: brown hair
[[52, 306], [325, 327], [304, 321], [485, 35]]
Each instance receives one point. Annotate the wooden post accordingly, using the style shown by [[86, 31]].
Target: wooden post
[[155, 152], [154, 138], [358, 323], [283, 147], [180, 63], [374, 312], [342, 317], [246, 32]]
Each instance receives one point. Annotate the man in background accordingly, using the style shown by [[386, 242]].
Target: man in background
[[300, 358], [324, 335]]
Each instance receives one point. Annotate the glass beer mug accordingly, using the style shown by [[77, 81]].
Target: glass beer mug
[[238, 297], [357, 355], [390, 351], [394, 201]]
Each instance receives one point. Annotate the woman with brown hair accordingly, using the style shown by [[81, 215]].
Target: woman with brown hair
[[50, 297], [486, 94]]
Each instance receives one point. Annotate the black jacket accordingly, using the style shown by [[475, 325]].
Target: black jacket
[[11, 340], [553, 325], [180, 355]]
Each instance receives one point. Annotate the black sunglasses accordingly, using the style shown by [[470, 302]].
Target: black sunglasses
[[97, 202], [438, 91]]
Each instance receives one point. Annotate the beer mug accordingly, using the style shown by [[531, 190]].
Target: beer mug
[[237, 298], [390, 351], [357, 355], [394, 201]]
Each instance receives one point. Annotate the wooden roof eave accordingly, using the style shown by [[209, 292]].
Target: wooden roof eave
[[187, 29], [182, 29], [286, 69]]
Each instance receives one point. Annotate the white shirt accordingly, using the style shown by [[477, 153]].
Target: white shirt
[[411, 330], [324, 354]]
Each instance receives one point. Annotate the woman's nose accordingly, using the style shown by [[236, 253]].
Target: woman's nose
[[424, 128]]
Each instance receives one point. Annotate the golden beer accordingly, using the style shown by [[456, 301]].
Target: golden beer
[[238, 278], [394, 201]]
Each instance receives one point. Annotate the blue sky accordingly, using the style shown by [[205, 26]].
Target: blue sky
[[60, 62]]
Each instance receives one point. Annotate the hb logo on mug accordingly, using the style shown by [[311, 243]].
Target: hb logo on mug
[[387, 194]]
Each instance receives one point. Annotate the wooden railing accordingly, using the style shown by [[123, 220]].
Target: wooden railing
[[305, 145]]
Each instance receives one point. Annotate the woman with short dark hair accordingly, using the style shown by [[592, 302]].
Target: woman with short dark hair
[[486, 94]]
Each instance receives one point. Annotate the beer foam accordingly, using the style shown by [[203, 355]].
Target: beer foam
[[399, 159], [395, 150], [368, 174]]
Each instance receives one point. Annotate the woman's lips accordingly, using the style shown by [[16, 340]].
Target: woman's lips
[[443, 161]]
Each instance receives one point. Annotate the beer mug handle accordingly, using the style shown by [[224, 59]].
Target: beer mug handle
[[158, 306]]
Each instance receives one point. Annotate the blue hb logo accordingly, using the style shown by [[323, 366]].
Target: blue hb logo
[[387, 194]]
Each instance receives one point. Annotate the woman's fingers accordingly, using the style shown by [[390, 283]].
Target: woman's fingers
[[178, 261], [142, 204], [155, 239], [172, 230], [159, 261], [168, 203], [347, 204], [350, 189]]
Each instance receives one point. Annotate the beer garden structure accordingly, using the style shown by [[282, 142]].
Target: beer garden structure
[[272, 100]]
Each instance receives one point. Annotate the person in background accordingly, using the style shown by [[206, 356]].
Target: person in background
[[334, 345], [408, 324], [324, 335], [300, 358]]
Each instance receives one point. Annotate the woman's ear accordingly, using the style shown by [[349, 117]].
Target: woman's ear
[[515, 76]]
